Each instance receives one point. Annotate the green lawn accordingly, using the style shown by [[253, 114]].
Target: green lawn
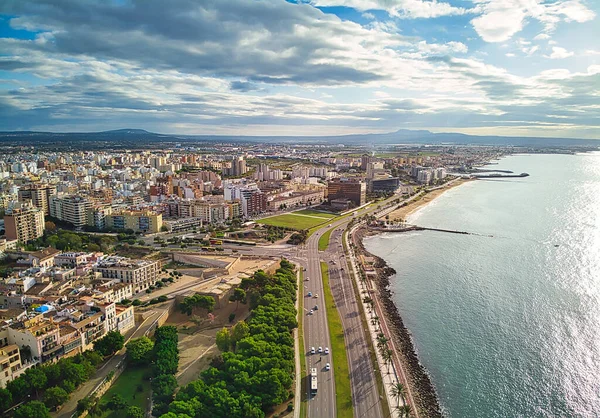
[[304, 219], [127, 385], [303, 369], [343, 393], [324, 240]]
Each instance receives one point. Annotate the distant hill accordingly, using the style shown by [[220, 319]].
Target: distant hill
[[402, 136]]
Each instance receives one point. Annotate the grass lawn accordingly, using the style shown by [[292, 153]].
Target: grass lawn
[[303, 369], [343, 392], [324, 240], [304, 219], [127, 385]]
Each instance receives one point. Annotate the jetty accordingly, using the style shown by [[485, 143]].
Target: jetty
[[409, 228]]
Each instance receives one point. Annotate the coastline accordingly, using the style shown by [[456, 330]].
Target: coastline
[[418, 377], [403, 212]]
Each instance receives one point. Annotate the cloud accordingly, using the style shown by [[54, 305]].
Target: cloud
[[501, 19], [541, 36], [412, 9], [560, 53]]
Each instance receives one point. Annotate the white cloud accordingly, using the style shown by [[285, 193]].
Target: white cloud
[[559, 53], [530, 51], [398, 8], [542, 36], [510, 55], [501, 19], [591, 52]]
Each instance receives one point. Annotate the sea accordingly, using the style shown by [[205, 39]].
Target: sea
[[507, 320]]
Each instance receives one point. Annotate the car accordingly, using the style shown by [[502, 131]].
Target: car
[[326, 350], [320, 350], [316, 307], [310, 312], [327, 366], [309, 294], [307, 279], [315, 296], [312, 350]]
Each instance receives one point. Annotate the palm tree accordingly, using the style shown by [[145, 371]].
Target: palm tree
[[398, 392], [404, 411], [381, 340], [386, 353]]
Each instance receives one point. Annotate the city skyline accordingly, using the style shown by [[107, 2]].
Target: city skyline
[[324, 67]]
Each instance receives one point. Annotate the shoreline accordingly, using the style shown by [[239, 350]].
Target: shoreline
[[404, 212], [418, 377]]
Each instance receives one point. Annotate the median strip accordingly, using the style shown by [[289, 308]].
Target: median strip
[[343, 392], [324, 240]]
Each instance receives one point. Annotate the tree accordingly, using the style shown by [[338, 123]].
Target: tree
[[5, 399], [404, 411], [55, 396], [110, 343], [50, 226], [117, 402], [33, 409], [36, 379], [18, 388], [163, 387], [139, 350], [398, 391], [239, 295], [134, 412], [223, 339], [239, 331]]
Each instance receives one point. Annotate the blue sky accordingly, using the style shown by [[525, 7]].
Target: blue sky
[[309, 67]]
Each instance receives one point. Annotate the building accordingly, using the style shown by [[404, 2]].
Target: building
[[10, 364], [24, 223], [96, 216], [38, 194], [140, 273], [138, 221], [238, 167], [386, 184], [40, 334], [354, 190], [71, 209], [253, 201], [183, 224]]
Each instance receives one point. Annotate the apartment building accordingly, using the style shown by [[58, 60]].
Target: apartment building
[[139, 273], [10, 364], [38, 194], [24, 223], [96, 216], [71, 209], [40, 334], [138, 221]]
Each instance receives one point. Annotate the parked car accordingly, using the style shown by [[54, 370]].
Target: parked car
[[309, 294], [326, 350], [316, 308], [327, 367], [312, 350], [315, 296], [320, 349]]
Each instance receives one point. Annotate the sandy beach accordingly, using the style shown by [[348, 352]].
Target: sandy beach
[[404, 211]]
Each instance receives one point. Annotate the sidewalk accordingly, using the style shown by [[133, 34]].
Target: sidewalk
[[396, 372]]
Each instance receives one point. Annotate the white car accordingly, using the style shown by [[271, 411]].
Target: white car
[[326, 350], [312, 350], [327, 367], [310, 312], [315, 296], [320, 349]]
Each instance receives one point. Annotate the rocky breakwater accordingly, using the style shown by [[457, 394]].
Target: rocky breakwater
[[423, 390]]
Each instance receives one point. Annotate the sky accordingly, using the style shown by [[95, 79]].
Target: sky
[[305, 67]]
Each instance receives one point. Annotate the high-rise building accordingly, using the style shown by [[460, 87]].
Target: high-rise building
[[71, 209], [138, 221], [96, 216], [39, 194], [24, 223], [354, 190]]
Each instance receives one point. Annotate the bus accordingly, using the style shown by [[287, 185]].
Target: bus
[[216, 242], [313, 381]]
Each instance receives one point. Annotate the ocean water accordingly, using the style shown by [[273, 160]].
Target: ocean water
[[509, 325]]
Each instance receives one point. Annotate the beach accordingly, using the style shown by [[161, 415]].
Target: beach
[[404, 211]]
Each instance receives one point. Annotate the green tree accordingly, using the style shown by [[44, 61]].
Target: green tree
[[18, 388], [55, 396], [110, 343], [398, 391], [223, 339], [36, 379], [139, 350], [163, 387], [239, 295], [5, 399], [117, 402], [68, 386], [239, 331], [134, 412], [33, 409]]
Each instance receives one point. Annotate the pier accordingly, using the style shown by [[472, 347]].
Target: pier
[[409, 228]]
